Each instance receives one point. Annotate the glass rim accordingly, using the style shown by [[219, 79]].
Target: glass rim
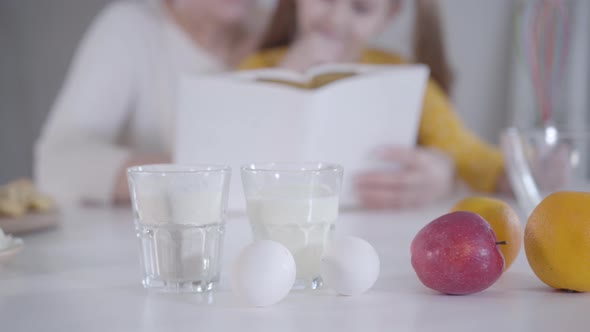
[[178, 169], [541, 132], [292, 167]]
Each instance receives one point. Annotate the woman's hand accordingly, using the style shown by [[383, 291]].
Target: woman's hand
[[418, 176]]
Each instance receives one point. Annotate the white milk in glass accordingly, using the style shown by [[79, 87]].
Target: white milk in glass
[[181, 238], [301, 218]]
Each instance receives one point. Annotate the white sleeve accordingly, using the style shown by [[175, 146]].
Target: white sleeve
[[77, 157]]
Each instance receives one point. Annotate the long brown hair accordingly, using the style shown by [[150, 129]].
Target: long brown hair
[[429, 46]]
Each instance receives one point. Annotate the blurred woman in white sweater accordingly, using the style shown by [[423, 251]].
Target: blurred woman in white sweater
[[116, 108]]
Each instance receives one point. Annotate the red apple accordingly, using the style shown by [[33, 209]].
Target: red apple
[[457, 254]]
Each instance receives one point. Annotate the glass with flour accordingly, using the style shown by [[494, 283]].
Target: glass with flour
[[297, 206], [179, 214]]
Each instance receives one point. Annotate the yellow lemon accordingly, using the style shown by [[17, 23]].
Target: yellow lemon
[[557, 241]]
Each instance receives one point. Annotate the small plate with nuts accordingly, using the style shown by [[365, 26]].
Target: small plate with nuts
[[23, 209]]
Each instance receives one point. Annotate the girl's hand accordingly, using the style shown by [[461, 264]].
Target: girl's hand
[[311, 50], [423, 176]]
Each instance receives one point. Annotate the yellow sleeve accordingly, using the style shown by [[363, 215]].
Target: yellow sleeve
[[478, 163], [263, 59], [255, 61]]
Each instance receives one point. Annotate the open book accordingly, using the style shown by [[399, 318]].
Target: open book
[[313, 78], [336, 113]]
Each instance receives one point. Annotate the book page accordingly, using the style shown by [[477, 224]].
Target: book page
[[354, 117], [271, 74], [336, 68]]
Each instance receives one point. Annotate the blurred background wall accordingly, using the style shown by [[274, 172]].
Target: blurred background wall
[[38, 38], [37, 41], [479, 38]]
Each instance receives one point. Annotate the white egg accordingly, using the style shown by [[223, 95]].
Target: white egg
[[350, 265], [263, 274]]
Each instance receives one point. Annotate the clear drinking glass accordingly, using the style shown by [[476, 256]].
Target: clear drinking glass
[[179, 214], [542, 161], [297, 206]]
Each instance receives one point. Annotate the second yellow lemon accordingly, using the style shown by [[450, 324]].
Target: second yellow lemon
[[502, 218]]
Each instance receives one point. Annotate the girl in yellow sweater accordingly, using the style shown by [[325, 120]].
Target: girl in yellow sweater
[[304, 33]]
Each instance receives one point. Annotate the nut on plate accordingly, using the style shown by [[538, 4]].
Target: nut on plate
[[20, 196]]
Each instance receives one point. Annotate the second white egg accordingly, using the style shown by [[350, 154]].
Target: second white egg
[[350, 265]]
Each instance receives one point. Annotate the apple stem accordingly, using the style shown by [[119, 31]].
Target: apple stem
[[503, 243]]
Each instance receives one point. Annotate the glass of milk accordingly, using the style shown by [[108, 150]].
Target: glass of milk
[[179, 214], [297, 206]]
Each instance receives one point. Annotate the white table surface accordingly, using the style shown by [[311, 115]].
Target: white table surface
[[84, 276]]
